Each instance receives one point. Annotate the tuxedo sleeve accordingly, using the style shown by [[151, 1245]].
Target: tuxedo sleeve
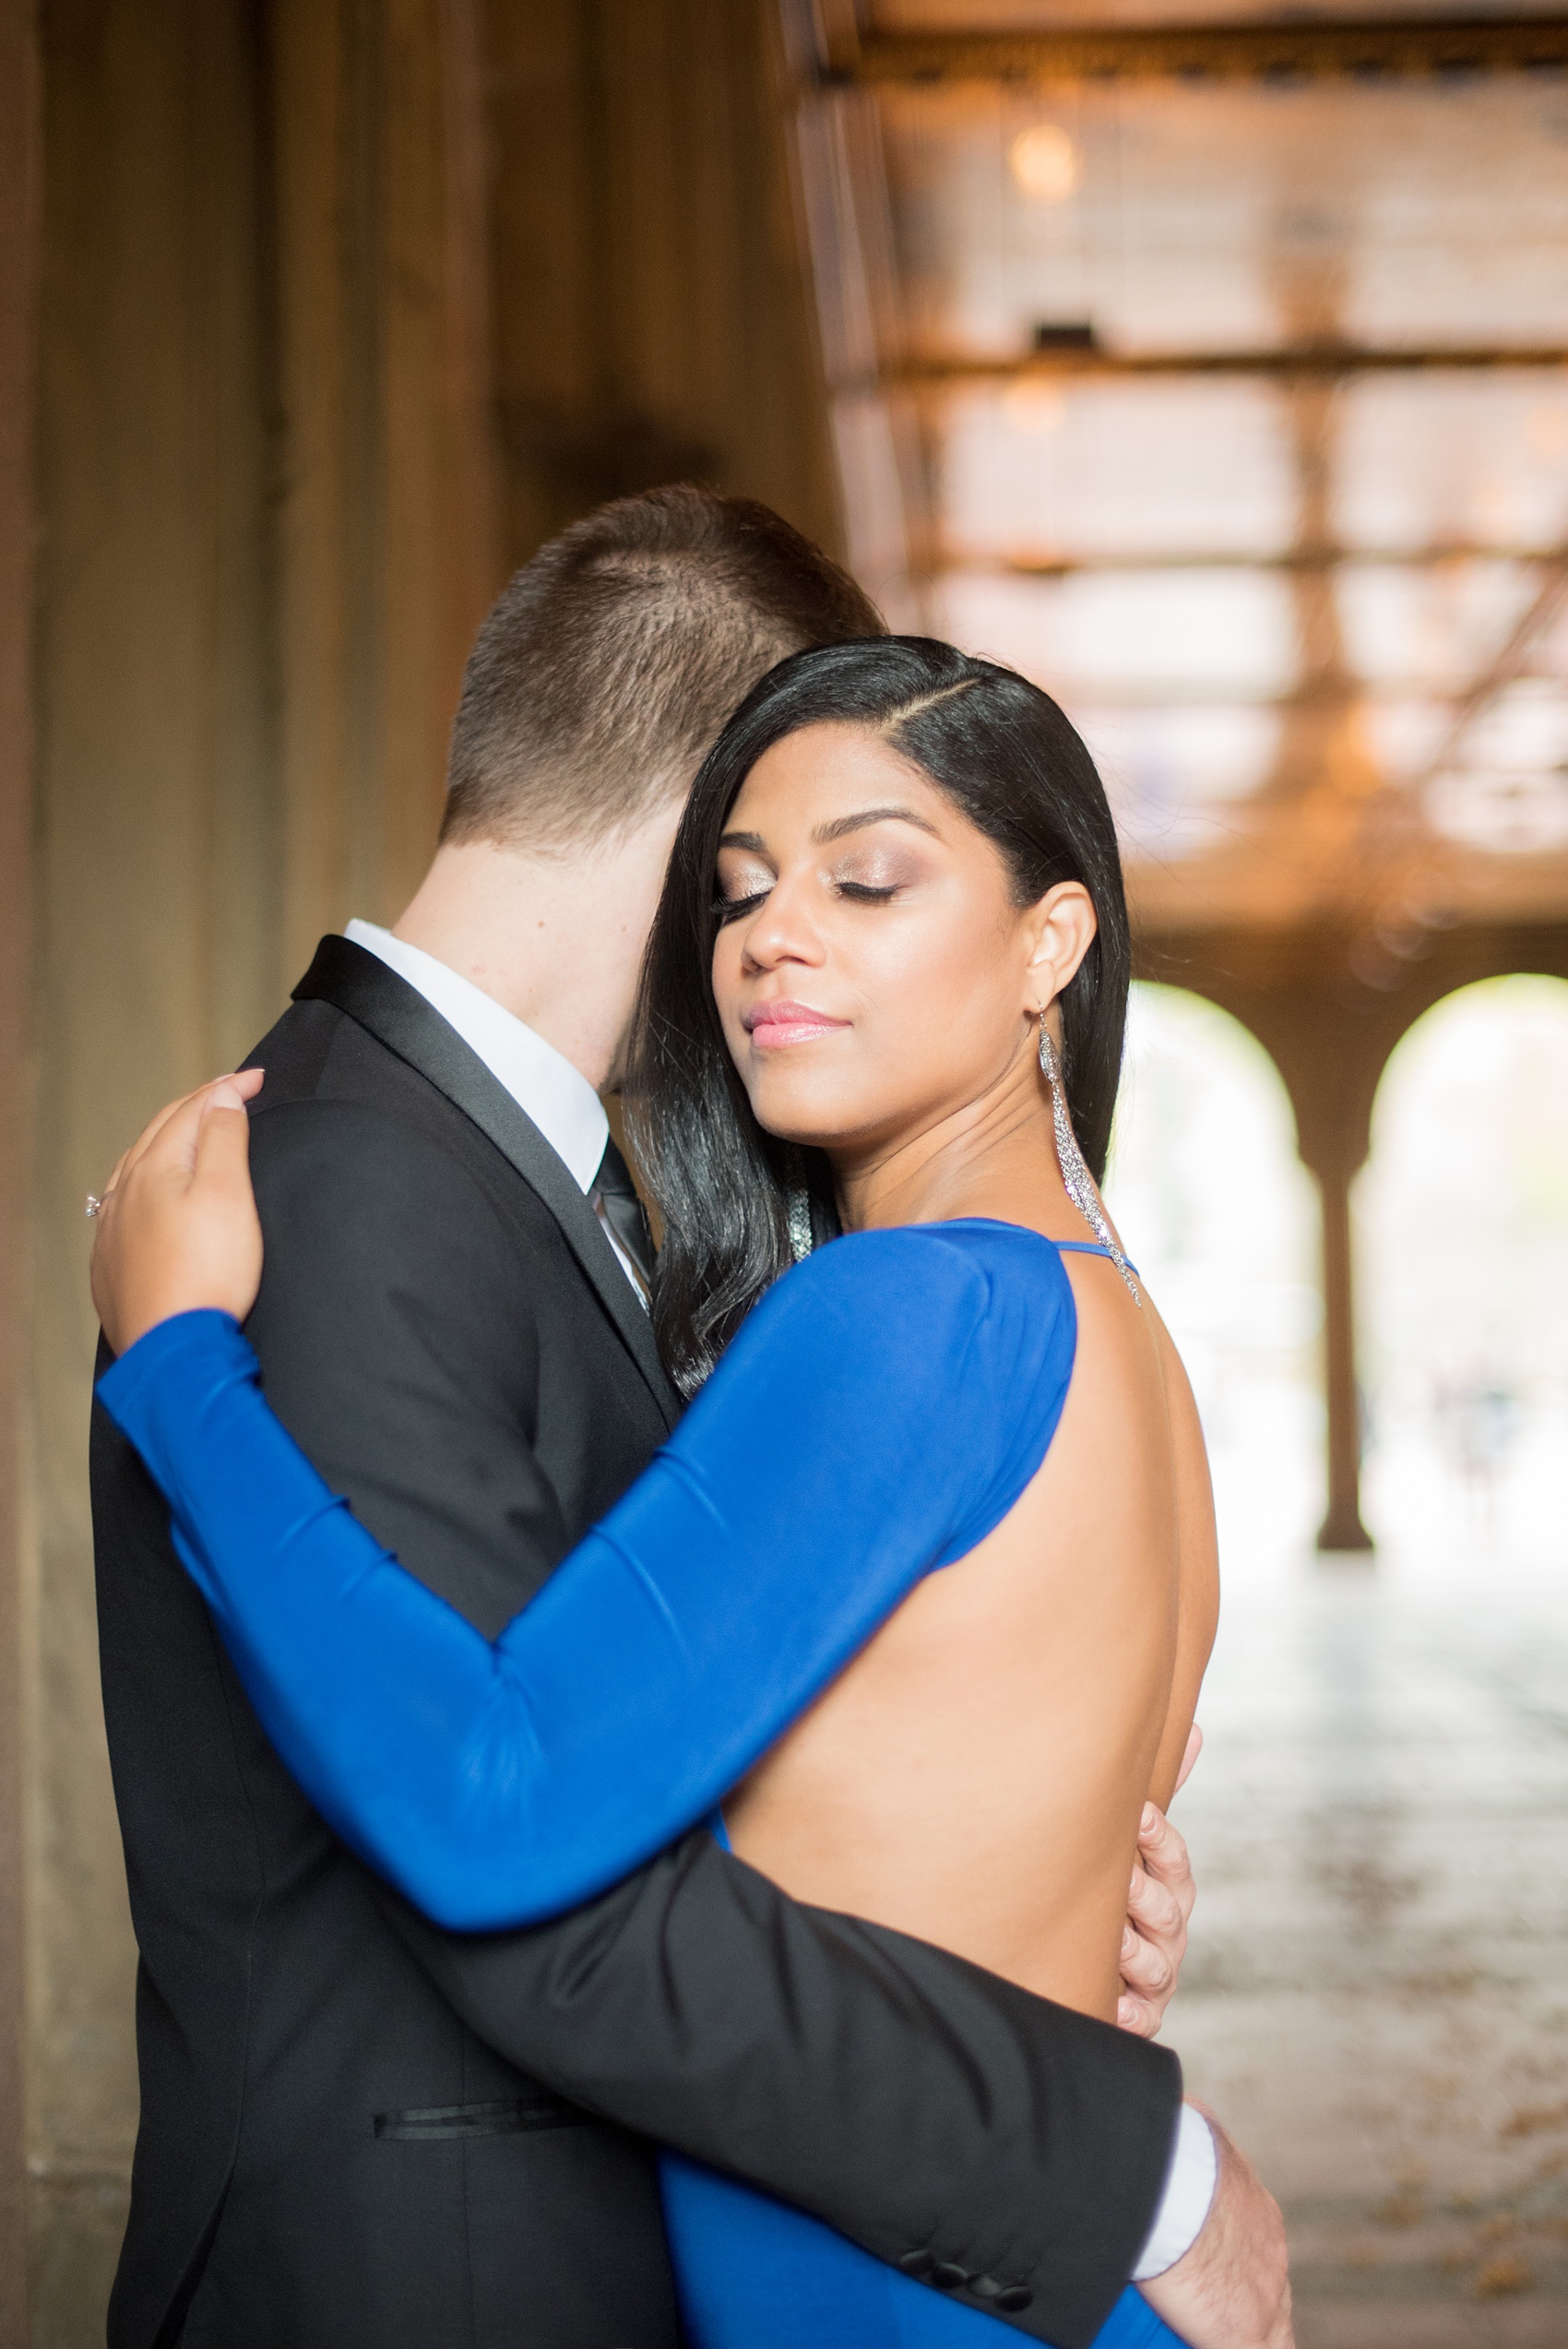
[[928, 2110]]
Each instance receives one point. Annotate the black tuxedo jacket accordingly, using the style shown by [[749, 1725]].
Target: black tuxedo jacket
[[359, 2133]]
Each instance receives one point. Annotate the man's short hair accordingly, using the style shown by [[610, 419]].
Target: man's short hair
[[610, 662]]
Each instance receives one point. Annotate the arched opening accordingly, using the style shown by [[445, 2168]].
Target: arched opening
[[1221, 1218], [1462, 1263]]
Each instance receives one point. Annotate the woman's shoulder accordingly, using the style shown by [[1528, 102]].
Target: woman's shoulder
[[922, 1367], [926, 1302], [976, 1258]]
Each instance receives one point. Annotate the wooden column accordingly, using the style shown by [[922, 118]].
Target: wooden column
[[268, 522], [1341, 1528], [388, 514], [19, 190], [652, 318], [262, 493], [155, 949]]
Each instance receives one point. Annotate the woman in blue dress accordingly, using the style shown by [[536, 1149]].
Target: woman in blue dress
[[883, 999]]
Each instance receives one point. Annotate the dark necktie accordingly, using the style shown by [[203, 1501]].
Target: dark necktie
[[616, 1194]]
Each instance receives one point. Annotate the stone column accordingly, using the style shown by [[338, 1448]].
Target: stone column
[[19, 147]]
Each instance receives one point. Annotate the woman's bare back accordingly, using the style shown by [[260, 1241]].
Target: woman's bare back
[[976, 1776]]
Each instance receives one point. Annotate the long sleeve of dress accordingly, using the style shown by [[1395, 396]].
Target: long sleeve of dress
[[878, 1414]]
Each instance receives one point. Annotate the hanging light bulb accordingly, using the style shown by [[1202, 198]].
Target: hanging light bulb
[[1034, 408], [1045, 163]]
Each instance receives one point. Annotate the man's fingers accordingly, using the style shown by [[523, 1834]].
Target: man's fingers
[[1154, 1938], [1137, 2016], [1155, 1907], [1146, 1970], [1163, 1851]]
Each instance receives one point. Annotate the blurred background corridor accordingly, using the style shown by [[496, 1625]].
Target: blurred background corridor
[[1206, 359]]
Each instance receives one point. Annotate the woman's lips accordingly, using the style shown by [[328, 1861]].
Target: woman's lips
[[774, 1025]]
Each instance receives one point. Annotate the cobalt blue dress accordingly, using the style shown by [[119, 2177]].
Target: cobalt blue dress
[[878, 1414]]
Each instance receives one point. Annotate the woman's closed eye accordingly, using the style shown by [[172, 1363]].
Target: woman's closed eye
[[872, 872], [875, 877], [743, 880], [731, 903], [740, 893]]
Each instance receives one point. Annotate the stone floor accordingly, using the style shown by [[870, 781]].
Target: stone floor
[[1376, 2000]]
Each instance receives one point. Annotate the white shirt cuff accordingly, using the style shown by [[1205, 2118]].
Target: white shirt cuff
[[1189, 2191]]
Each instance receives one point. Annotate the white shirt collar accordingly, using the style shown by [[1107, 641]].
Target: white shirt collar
[[541, 1080]]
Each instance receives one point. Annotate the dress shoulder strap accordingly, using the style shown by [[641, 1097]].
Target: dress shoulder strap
[[1085, 1248]]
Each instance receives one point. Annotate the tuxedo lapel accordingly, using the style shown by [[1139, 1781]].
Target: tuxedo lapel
[[362, 985]]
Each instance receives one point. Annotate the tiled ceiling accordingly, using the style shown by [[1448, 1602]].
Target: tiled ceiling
[[1033, 16], [1234, 409]]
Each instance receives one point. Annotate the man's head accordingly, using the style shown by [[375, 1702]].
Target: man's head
[[611, 660], [595, 687]]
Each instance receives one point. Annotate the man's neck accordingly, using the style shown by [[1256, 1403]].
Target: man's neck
[[556, 939]]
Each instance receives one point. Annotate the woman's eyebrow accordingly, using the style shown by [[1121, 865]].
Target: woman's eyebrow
[[842, 825], [753, 841]]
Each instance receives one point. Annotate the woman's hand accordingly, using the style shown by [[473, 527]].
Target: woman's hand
[[178, 1228]]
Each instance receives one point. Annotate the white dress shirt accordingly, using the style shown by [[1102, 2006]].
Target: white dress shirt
[[570, 1116], [542, 1081], [1189, 2192]]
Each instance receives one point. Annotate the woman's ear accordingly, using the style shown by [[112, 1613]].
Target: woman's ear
[[1063, 927]]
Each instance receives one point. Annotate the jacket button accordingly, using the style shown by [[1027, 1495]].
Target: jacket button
[[917, 2263], [1016, 2296], [949, 2275]]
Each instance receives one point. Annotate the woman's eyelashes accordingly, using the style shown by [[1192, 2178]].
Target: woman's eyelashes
[[873, 880], [731, 909], [741, 893]]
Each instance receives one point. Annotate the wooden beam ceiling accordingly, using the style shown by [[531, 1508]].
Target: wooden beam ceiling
[[1306, 49], [1323, 363], [941, 561]]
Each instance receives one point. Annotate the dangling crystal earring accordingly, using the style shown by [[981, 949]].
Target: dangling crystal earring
[[800, 1241], [798, 1209], [1070, 1158]]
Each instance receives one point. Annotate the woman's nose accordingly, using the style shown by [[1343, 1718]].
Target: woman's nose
[[782, 931]]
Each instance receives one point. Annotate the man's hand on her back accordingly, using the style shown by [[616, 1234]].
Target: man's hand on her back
[[1154, 1941], [1232, 2289]]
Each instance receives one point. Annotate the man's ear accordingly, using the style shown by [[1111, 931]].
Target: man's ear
[[1063, 927]]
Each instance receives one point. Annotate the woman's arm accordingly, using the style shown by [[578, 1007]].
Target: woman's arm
[[879, 1412]]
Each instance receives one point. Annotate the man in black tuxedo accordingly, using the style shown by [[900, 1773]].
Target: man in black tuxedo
[[360, 2134]]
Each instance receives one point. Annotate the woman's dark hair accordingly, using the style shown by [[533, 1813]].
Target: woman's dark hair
[[1006, 755]]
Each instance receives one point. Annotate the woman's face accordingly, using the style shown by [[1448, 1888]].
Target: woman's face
[[872, 972]]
